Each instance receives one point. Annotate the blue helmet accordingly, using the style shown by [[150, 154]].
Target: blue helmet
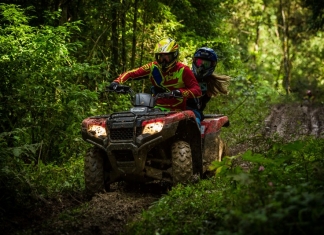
[[204, 62]]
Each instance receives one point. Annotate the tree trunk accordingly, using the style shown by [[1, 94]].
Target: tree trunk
[[123, 25], [114, 39], [285, 45], [142, 42], [134, 34]]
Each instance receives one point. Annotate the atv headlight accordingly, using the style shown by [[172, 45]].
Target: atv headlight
[[97, 130], [152, 126]]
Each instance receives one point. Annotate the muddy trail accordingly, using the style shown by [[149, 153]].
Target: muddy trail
[[295, 120], [108, 213]]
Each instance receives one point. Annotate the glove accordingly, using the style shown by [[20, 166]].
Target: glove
[[113, 86], [176, 93]]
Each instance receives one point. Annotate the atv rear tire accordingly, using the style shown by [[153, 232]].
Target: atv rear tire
[[182, 169], [94, 171]]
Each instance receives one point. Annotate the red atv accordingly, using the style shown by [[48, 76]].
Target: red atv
[[146, 144]]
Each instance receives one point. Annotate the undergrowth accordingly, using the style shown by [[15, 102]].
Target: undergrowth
[[24, 184], [282, 193]]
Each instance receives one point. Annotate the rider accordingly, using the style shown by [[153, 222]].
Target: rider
[[211, 84], [166, 75]]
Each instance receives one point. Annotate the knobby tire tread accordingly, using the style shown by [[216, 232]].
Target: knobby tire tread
[[94, 171], [182, 168]]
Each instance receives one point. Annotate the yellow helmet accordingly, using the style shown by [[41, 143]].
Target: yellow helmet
[[166, 53]]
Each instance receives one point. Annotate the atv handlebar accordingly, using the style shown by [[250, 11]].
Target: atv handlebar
[[167, 95], [124, 89]]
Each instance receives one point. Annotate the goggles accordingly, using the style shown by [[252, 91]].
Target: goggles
[[203, 63], [164, 57]]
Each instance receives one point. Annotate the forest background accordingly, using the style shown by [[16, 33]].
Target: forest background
[[56, 57]]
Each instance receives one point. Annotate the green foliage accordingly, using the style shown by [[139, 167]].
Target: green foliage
[[43, 102], [41, 85], [201, 17], [281, 193], [259, 38], [317, 8], [24, 184], [307, 74], [180, 207], [247, 105]]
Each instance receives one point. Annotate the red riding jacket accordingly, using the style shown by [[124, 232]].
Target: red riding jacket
[[178, 77]]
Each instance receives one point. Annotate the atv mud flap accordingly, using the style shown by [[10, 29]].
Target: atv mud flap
[[134, 166], [212, 149], [213, 145]]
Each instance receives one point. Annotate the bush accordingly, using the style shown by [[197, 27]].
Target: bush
[[282, 193]]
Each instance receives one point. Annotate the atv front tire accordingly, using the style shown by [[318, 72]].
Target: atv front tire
[[182, 169], [94, 171]]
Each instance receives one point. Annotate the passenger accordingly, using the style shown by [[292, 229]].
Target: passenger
[[211, 84]]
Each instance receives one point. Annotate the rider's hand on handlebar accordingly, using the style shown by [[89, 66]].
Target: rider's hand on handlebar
[[171, 94], [118, 88], [176, 93], [113, 86]]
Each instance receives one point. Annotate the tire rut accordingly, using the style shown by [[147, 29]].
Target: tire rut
[[295, 120]]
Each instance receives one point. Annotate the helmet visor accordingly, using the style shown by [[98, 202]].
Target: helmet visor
[[164, 57], [202, 63]]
